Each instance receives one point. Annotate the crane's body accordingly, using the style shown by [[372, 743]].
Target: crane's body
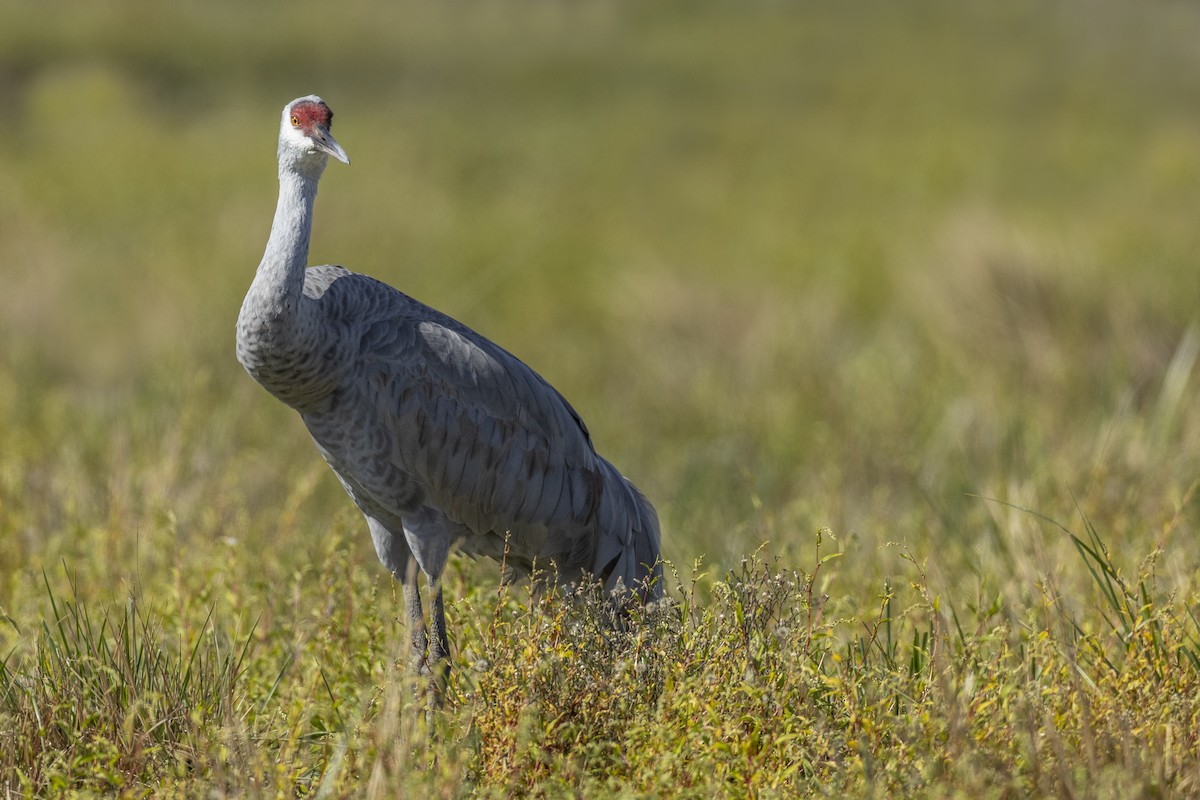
[[440, 436]]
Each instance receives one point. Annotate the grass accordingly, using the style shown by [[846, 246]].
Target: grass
[[920, 278], [107, 700]]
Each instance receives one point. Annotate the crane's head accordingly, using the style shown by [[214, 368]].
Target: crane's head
[[305, 142]]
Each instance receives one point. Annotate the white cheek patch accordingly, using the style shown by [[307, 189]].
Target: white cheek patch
[[297, 141]]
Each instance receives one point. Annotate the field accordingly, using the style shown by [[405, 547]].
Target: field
[[890, 308]]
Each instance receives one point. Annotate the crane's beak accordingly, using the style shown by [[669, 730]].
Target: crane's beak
[[324, 141]]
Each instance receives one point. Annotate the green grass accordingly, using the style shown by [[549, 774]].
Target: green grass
[[919, 276]]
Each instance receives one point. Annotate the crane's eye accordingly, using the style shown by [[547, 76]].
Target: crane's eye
[[295, 121]]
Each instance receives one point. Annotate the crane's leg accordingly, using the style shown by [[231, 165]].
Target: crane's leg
[[428, 534], [416, 624], [394, 554], [439, 645]]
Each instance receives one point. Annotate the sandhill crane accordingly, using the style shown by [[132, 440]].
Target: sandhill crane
[[439, 435]]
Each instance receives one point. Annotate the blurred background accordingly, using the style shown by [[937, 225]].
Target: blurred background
[[856, 265]]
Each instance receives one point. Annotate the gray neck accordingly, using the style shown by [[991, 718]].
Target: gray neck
[[280, 278], [277, 335]]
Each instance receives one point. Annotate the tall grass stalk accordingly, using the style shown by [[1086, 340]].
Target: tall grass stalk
[[107, 698]]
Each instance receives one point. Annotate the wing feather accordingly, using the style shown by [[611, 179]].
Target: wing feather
[[550, 499]]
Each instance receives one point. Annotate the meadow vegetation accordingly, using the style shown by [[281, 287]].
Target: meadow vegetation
[[889, 308]]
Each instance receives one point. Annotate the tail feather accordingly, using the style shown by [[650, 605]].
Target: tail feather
[[628, 553]]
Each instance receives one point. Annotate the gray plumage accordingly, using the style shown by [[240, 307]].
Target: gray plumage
[[440, 436]]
